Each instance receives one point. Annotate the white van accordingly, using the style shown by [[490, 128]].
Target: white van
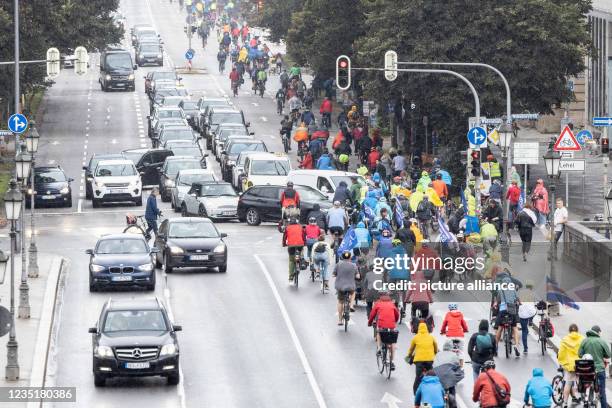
[[326, 181], [265, 168]]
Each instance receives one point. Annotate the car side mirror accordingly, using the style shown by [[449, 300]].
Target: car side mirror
[[223, 235], [70, 179], [135, 67], [154, 250], [223, 152], [252, 133], [89, 251], [93, 330], [85, 168], [176, 327], [148, 116]]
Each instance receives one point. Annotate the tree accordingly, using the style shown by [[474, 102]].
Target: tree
[[322, 31], [276, 17]]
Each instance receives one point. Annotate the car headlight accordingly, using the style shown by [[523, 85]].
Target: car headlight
[[188, 116], [152, 84], [148, 267], [141, 56], [169, 183], [176, 250], [97, 268], [65, 190], [168, 349], [131, 77], [219, 249], [108, 77], [29, 191], [104, 351], [100, 184]]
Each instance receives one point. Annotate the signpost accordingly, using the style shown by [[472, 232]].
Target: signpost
[[525, 116], [17, 123], [602, 121], [526, 153], [477, 136], [189, 54], [582, 137], [572, 165], [566, 142]]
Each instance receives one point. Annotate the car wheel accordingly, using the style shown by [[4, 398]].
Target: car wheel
[[138, 201], [95, 202], [202, 212], [88, 192], [157, 263], [151, 286], [174, 379], [99, 380], [164, 196], [223, 268], [167, 265], [69, 202], [184, 210], [92, 285], [102, 88], [252, 217]]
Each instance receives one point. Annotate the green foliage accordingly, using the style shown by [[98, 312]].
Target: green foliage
[[276, 17], [323, 30], [59, 23]]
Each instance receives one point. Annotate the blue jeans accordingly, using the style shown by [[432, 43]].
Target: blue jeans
[[151, 226], [541, 218], [476, 369], [601, 381], [321, 260], [525, 332]]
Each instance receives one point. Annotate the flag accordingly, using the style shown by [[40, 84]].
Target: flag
[[554, 293], [369, 213], [399, 215], [348, 242], [463, 201], [521, 201], [445, 234]]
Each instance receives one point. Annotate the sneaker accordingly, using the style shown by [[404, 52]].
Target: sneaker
[[525, 352], [392, 366], [516, 352], [378, 353]]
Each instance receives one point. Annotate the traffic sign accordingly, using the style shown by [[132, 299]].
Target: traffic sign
[[567, 155], [492, 121], [477, 135], [602, 121], [582, 136], [525, 116], [390, 65], [17, 123], [5, 133], [189, 54], [526, 153], [572, 165], [566, 141]]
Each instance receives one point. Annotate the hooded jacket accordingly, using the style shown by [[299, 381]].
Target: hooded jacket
[[447, 367], [539, 390], [484, 390], [363, 236], [399, 270], [387, 313], [342, 193], [430, 391], [568, 350], [597, 347], [319, 216], [325, 162], [454, 324], [475, 356], [423, 345], [382, 203]]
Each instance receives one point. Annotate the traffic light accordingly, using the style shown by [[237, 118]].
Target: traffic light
[[343, 72], [605, 146], [53, 62], [81, 62], [475, 163]]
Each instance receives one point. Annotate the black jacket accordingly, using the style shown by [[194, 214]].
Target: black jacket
[[319, 216], [342, 193], [494, 212], [475, 355], [524, 221]]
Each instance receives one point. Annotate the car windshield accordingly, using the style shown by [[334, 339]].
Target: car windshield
[[48, 176], [193, 151], [310, 194], [215, 190], [226, 117], [189, 179], [116, 170], [192, 230], [177, 134], [169, 113], [133, 155], [145, 31], [157, 75], [149, 48], [121, 246], [270, 167], [96, 159], [236, 148], [347, 179], [177, 165], [225, 135], [190, 105], [171, 100], [134, 320], [120, 60]]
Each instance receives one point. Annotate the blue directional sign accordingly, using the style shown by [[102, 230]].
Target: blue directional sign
[[477, 136], [582, 136], [17, 123], [602, 121], [189, 54]]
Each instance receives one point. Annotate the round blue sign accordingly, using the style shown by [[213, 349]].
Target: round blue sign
[[477, 136], [17, 123], [189, 54], [582, 136]]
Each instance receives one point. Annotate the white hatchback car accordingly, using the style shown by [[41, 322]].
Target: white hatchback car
[[183, 182], [116, 180]]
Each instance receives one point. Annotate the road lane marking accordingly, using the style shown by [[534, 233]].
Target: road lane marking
[[79, 209], [296, 341], [263, 119], [181, 386]]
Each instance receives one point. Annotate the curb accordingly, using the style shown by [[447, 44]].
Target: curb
[[48, 329]]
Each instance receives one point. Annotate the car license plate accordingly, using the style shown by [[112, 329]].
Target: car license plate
[[229, 212], [117, 190], [122, 278], [199, 257], [119, 84], [48, 197], [136, 366]]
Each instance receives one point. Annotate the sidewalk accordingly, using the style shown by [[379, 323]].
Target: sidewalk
[[34, 335]]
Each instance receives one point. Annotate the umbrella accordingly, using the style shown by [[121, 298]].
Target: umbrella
[[446, 178]]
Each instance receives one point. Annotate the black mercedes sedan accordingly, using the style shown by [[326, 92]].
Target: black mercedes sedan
[[190, 242], [120, 260], [51, 187]]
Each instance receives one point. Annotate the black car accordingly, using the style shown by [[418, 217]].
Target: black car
[[117, 70], [153, 76], [176, 133], [157, 97], [135, 338], [121, 260], [148, 162], [51, 187], [221, 114], [230, 153], [170, 169], [190, 242], [262, 203], [89, 169], [204, 105], [189, 110], [149, 53]]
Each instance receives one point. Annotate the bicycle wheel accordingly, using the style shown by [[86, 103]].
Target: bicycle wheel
[[347, 313], [558, 384], [380, 359], [507, 342], [133, 229], [387, 362], [296, 276]]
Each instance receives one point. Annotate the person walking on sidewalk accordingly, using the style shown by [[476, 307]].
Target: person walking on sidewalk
[[560, 219], [526, 220], [567, 356], [513, 196], [600, 350], [539, 198], [152, 212]]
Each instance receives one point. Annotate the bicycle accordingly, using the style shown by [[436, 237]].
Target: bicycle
[[285, 138], [588, 386], [346, 309], [235, 88], [302, 150], [221, 66], [137, 225], [543, 326], [558, 385], [262, 88], [507, 335], [279, 105], [297, 267], [383, 358]]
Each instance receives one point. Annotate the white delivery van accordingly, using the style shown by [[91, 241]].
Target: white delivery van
[[326, 181]]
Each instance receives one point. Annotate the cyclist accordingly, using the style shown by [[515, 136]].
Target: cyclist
[[539, 390], [424, 213], [289, 198], [286, 128], [567, 356], [430, 392], [262, 77], [337, 220], [454, 327], [386, 315], [481, 347], [280, 100], [422, 351], [152, 212], [346, 274], [295, 104], [312, 234], [364, 239], [447, 367], [321, 258], [488, 385], [507, 303], [294, 239], [319, 215], [221, 57], [600, 350]]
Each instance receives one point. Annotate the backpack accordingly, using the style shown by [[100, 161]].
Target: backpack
[[321, 248], [501, 395], [484, 345]]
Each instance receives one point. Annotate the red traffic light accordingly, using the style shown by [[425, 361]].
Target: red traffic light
[[343, 64], [475, 155]]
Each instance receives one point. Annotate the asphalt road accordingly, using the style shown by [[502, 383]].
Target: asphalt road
[[249, 339]]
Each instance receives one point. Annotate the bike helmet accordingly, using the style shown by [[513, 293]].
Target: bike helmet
[[290, 184], [452, 306], [347, 254], [386, 233], [488, 364], [312, 220], [587, 357], [396, 242]]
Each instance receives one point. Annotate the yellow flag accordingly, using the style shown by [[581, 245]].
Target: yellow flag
[[494, 136]]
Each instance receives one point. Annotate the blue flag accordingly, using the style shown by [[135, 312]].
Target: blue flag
[[399, 215], [348, 242], [369, 213], [554, 293], [445, 234], [521, 201], [463, 201]]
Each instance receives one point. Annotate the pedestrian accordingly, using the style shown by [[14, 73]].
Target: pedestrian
[[399, 163], [527, 311], [538, 390], [495, 191], [560, 218], [599, 349], [526, 220], [152, 212], [513, 195], [422, 351], [567, 356], [481, 347], [491, 388], [539, 198]]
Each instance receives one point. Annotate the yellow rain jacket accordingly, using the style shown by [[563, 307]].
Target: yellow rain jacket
[[398, 189], [417, 233], [433, 197], [415, 199], [423, 345], [568, 350], [242, 55], [487, 230]]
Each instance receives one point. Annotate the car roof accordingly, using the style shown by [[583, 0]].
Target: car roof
[[267, 156], [324, 172], [173, 158], [180, 141], [146, 150], [189, 219], [133, 304], [109, 155], [110, 162], [196, 171], [223, 109], [47, 168], [122, 236], [212, 99]]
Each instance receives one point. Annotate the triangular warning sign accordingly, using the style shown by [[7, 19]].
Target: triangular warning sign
[[566, 142]]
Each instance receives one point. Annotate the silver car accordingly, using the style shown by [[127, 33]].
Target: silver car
[[215, 200]]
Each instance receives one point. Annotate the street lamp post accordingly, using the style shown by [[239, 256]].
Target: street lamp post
[[12, 206], [608, 203], [505, 138], [552, 160], [22, 170], [32, 147]]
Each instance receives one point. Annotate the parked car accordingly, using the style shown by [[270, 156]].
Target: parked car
[[162, 113], [265, 168], [214, 199], [51, 187], [224, 130], [148, 162], [135, 338], [204, 104], [218, 115], [170, 170], [238, 169], [176, 133], [116, 180], [154, 76], [190, 242], [189, 112], [184, 148], [262, 203], [183, 182], [326, 181]]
